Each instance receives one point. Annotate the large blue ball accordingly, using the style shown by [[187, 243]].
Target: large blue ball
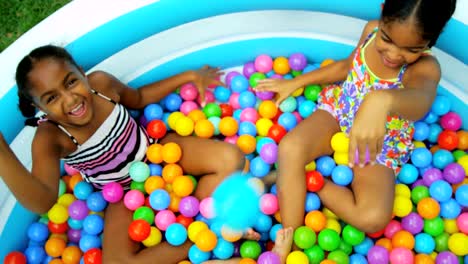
[[176, 234], [152, 112]]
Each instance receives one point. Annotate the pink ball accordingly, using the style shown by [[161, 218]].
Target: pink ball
[[207, 208], [188, 106], [276, 76], [234, 101], [462, 222], [112, 192], [401, 255], [392, 227], [164, 219], [451, 121], [133, 199], [209, 97], [269, 204], [229, 76], [70, 170], [298, 116], [249, 114], [231, 139], [188, 92], [263, 63]]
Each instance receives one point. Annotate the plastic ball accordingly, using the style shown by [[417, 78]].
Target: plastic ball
[[263, 63], [249, 114], [152, 112], [451, 121], [408, 174], [328, 239], [38, 232], [441, 105], [446, 257], [188, 92], [304, 237], [88, 242], [401, 256], [255, 78], [288, 105], [276, 132], [144, 213], [325, 165], [183, 186], [454, 173], [112, 192], [461, 195], [93, 224], [431, 175], [223, 249], [159, 199], [434, 227], [457, 243], [281, 65], [412, 223], [184, 126], [421, 157], [96, 202], [228, 126], [35, 254], [287, 120], [247, 99], [269, 153], [258, 167], [204, 128], [378, 255], [206, 240], [421, 131], [442, 158], [448, 140], [342, 175], [172, 102], [246, 143], [198, 256], [78, 210], [164, 218], [428, 208], [297, 257], [134, 199], [82, 190], [154, 237], [247, 128], [176, 234], [352, 235], [250, 249], [269, 204], [187, 107], [297, 61]]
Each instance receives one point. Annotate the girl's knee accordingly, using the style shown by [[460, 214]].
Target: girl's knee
[[233, 159], [291, 146], [372, 220]]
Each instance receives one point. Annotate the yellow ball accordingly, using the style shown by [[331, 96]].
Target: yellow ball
[[184, 126], [402, 190], [297, 257], [326, 62], [281, 65], [341, 158], [333, 224], [340, 142], [311, 166], [463, 161], [154, 238], [329, 214], [183, 186], [402, 206], [419, 144], [66, 199], [458, 244], [58, 214], [263, 125], [172, 119], [298, 92], [450, 226], [195, 228]]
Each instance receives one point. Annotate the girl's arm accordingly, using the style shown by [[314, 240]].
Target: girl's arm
[[36, 190]]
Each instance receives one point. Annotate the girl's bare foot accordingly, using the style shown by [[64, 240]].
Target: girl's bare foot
[[283, 243], [250, 234]]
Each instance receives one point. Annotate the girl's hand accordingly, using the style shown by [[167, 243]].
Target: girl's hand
[[283, 88], [368, 130], [205, 77]]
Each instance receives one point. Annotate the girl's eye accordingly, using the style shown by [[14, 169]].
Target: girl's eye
[[414, 51], [71, 82], [50, 99], [386, 40]]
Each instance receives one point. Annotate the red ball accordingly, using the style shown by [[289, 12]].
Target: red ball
[[314, 181], [278, 114], [15, 257], [57, 228], [184, 220], [448, 140], [139, 230], [377, 234], [93, 256], [226, 110], [156, 129], [276, 132]]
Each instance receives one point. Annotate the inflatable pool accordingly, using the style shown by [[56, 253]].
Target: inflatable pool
[[141, 41]]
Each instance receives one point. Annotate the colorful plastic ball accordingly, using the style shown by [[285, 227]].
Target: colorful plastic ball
[[212, 109], [269, 153], [239, 83], [139, 230], [204, 128], [195, 228], [93, 224], [250, 249], [408, 174], [112, 192], [312, 92], [189, 206], [287, 120], [338, 256], [96, 202], [428, 208], [139, 171], [184, 126], [38, 232], [226, 110], [281, 65], [314, 181], [188, 92], [223, 249], [71, 254], [297, 257], [457, 244], [258, 167], [328, 239], [55, 246], [421, 131], [255, 78], [263, 63], [152, 112], [229, 76], [401, 255], [461, 195], [206, 240], [159, 199], [434, 227], [288, 105], [268, 257], [182, 186], [342, 175], [222, 94], [263, 125], [315, 254], [421, 157], [92, 256], [442, 158], [325, 165], [35, 254], [154, 237], [198, 256], [172, 102], [297, 61], [82, 190], [187, 107], [164, 218], [451, 121], [78, 210], [88, 242], [304, 237], [267, 109], [462, 222], [450, 209], [412, 223], [228, 126], [276, 132], [134, 199], [448, 140], [431, 175], [246, 143], [144, 213], [446, 257], [247, 128], [176, 234], [441, 105], [247, 99], [269, 204], [352, 235], [15, 257], [306, 108], [454, 173]]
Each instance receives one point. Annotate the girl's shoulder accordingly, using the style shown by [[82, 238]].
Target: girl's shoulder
[[104, 83], [426, 67], [50, 139]]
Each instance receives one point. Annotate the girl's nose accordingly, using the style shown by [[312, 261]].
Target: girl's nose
[[69, 98]]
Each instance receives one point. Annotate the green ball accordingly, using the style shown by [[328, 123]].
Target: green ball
[[315, 254], [45, 220], [62, 188], [255, 77], [304, 237], [250, 249], [352, 235], [329, 239], [212, 109], [434, 227], [140, 186], [441, 242], [295, 73], [457, 154], [288, 105], [139, 171], [312, 92], [339, 257], [345, 247], [418, 193], [145, 213], [194, 180]]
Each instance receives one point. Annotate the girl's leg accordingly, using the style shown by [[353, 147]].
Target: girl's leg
[[118, 248], [214, 160], [368, 205]]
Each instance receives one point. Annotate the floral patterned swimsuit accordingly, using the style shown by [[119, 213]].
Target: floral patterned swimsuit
[[343, 100]]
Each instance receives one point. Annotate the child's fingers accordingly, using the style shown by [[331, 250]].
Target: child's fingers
[[361, 146], [372, 148], [352, 151]]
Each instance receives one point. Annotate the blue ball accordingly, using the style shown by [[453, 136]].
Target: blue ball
[[215, 121], [441, 105], [301, 99], [274, 230], [307, 108], [216, 227], [176, 234], [434, 131], [262, 141], [165, 119], [424, 243], [421, 157], [247, 128], [408, 174], [223, 249], [82, 190], [196, 256], [96, 202], [312, 202], [172, 102], [287, 120], [88, 242], [48, 259], [310, 67], [247, 99], [222, 94], [93, 224], [38, 232], [273, 189], [440, 190], [364, 246], [342, 175], [35, 254], [357, 259], [442, 158], [237, 114], [236, 202], [263, 223], [450, 209], [153, 112], [421, 131], [461, 195], [259, 168], [75, 224], [239, 83], [155, 169], [325, 165], [159, 199], [431, 118]]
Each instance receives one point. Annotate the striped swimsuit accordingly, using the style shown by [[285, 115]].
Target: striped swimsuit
[[107, 155]]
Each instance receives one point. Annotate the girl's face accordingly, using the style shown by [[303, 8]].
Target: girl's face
[[61, 91], [399, 43]]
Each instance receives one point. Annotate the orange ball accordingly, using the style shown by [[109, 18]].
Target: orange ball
[[327, 261], [281, 65], [174, 203], [434, 148], [230, 235], [171, 152], [247, 261], [228, 126], [267, 109], [54, 247], [171, 171], [206, 240], [462, 139], [196, 115], [384, 242], [75, 179], [423, 259], [154, 153], [56, 261], [404, 239], [185, 262], [183, 186], [204, 128], [316, 220], [326, 62], [154, 182], [428, 208], [247, 143]]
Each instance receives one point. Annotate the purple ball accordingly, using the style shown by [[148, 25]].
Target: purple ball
[[249, 69], [446, 257], [378, 255], [412, 223], [189, 206], [297, 61], [78, 210], [268, 257], [266, 95], [269, 153], [431, 175], [74, 235], [229, 77], [454, 173], [419, 182]]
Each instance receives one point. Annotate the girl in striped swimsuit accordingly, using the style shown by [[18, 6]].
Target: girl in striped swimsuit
[[88, 126]]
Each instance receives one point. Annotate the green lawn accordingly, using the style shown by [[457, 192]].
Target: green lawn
[[18, 16]]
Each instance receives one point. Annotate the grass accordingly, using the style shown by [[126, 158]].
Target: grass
[[18, 16]]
